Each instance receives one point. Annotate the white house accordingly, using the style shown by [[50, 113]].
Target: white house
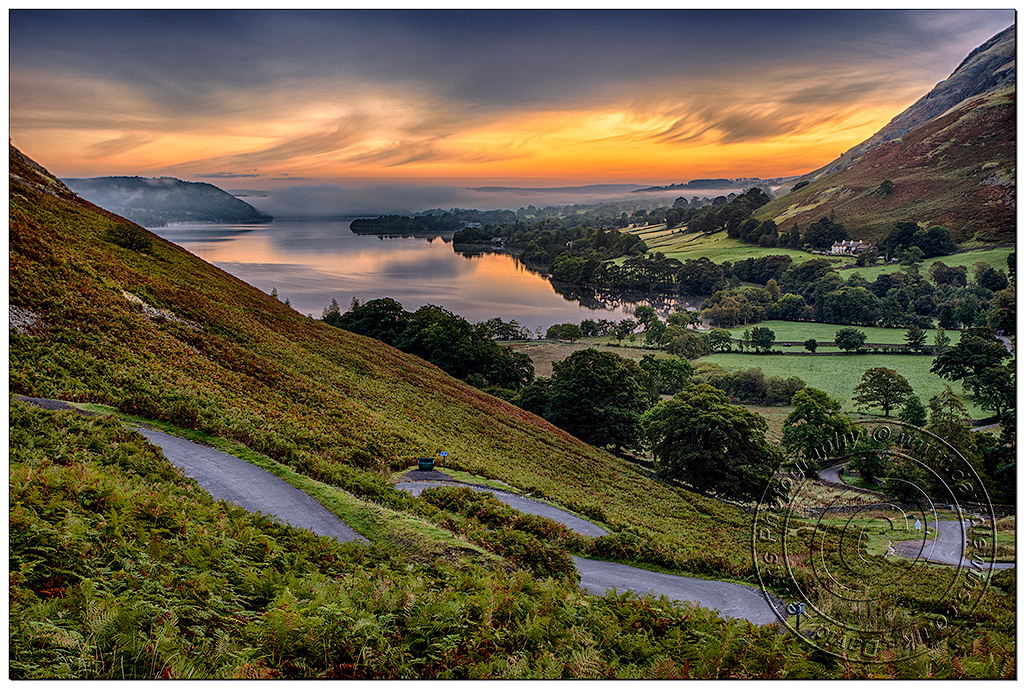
[[849, 248]]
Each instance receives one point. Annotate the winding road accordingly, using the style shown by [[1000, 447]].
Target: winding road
[[523, 504], [946, 548], [229, 478], [729, 600]]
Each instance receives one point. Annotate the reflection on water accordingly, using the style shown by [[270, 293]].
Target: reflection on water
[[310, 262]]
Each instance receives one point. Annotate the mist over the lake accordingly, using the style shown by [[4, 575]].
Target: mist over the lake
[[353, 200]]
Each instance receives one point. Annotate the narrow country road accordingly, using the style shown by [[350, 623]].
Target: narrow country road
[[523, 504], [948, 546], [831, 474], [729, 600], [250, 487], [229, 478]]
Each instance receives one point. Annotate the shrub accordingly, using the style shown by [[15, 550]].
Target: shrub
[[131, 237]]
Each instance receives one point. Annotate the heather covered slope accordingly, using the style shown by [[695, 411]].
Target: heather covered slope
[[990, 67], [158, 333], [957, 170]]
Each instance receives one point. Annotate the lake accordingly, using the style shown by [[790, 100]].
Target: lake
[[310, 262]]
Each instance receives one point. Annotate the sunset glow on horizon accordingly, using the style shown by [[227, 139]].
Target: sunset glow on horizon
[[266, 99]]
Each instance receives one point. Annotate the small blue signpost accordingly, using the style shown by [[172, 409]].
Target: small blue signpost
[[798, 609], [444, 459]]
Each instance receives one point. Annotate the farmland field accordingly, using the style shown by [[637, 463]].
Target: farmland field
[[838, 375], [719, 247], [996, 257], [716, 247], [786, 331]]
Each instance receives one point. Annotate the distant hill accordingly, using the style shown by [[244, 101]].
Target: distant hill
[[949, 160], [155, 202], [722, 184]]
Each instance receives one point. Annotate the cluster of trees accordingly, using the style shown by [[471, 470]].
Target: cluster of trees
[[430, 221], [749, 386], [992, 457], [905, 237], [698, 437], [541, 243], [723, 213], [814, 291], [450, 342]]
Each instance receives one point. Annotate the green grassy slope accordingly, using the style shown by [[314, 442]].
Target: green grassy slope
[[229, 360]]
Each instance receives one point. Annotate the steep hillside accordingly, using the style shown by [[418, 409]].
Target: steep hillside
[[957, 170], [990, 67], [156, 332], [157, 202]]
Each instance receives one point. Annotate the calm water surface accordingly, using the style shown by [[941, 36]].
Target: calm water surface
[[310, 262]]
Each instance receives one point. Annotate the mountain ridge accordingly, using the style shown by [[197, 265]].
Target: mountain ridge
[[989, 67], [956, 168]]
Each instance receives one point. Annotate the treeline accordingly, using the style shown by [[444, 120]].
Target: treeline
[[463, 350], [814, 290], [542, 242], [430, 222]]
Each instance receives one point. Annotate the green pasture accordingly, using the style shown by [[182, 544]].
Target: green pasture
[[719, 248], [996, 257], [715, 247], [786, 331], [838, 375]]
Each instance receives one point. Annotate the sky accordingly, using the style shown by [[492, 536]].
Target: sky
[[322, 102]]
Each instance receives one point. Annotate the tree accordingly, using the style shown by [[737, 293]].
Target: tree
[[683, 342], [762, 338], [913, 412], [950, 421], [824, 232], [990, 278], [332, 314], [624, 328], [1002, 311], [814, 422], [773, 289], [850, 338], [655, 331], [791, 307], [978, 349], [698, 437], [997, 386], [912, 256], [645, 315], [571, 331], [882, 387], [598, 396], [915, 338], [941, 340], [666, 375], [811, 345], [718, 340]]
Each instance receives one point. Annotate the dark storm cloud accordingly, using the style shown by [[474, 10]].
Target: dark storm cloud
[[492, 58]]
